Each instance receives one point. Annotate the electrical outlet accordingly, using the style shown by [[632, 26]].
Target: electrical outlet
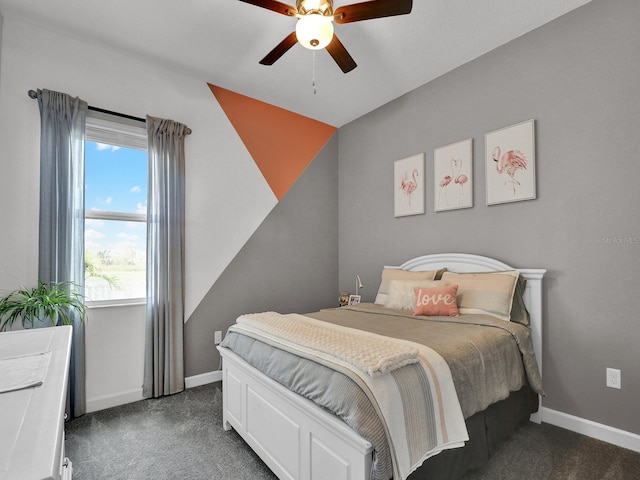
[[614, 378], [217, 337]]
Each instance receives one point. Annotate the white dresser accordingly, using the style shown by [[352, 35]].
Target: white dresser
[[32, 419]]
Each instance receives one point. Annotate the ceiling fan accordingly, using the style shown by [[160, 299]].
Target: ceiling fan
[[314, 29]]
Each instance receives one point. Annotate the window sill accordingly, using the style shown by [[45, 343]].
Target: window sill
[[129, 302]]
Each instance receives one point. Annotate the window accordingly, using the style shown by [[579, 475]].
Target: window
[[115, 210]]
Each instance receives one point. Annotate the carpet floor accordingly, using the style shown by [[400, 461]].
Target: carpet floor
[[181, 437]]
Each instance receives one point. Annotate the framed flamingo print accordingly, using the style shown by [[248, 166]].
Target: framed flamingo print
[[510, 162], [408, 186], [453, 173]]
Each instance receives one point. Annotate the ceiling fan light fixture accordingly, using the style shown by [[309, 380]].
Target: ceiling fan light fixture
[[323, 7], [315, 24], [314, 31]]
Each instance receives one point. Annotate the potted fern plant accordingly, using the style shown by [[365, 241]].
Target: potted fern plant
[[54, 301]]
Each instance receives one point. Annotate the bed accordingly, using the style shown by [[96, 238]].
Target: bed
[[285, 397]]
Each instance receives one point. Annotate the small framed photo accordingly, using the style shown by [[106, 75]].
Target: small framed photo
[[408, 186], [453, 176], [510, 162], [343, 299], [354, 299]]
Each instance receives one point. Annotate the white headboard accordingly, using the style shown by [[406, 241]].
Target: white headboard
[[463, 262]]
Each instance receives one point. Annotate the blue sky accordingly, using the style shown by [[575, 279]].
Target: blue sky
[[115, 180]]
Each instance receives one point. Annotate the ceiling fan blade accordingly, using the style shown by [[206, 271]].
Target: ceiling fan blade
[[280, 49], [340, 55], [273, 5], [372, 9]]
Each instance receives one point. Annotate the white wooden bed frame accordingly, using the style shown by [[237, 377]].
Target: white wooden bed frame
[[299, 440]]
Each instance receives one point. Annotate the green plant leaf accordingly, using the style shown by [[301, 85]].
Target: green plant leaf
[[57, 301]]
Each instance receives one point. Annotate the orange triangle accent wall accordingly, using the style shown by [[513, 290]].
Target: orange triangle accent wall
[[282, 143]]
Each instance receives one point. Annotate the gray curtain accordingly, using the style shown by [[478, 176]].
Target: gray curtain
[[164, 357], [61, 246]]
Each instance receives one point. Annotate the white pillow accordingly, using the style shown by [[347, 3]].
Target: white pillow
[[403, 297], [389, 274]]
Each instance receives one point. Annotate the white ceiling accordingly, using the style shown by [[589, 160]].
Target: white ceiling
[[221, 42]]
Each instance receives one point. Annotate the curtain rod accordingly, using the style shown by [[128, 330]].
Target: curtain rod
[[33, 94]]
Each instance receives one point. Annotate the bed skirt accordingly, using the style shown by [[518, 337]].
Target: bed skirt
[[487, 430]]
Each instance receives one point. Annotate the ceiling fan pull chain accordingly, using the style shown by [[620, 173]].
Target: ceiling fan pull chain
[[313, 81]]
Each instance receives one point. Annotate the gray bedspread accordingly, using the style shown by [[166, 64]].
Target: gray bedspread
[[488, 359]]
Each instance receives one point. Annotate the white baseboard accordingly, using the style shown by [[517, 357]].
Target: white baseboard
[[599, 431], [595, 430], [203, 379], [108, 401]]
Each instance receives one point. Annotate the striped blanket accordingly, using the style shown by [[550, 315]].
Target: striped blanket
[[409, 385]]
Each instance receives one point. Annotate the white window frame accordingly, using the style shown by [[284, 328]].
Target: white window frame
[[120, 132]]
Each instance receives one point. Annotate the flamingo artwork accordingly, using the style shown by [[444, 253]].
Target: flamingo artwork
[[408, 186], [453, 171], [510, 162], [457, 178]]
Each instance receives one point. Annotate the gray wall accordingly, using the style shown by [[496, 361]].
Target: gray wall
[[578, 78], [288, 265], [1, 23]]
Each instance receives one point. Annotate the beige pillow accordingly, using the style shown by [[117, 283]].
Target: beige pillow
[[519, 312], [402, 295], [488, 293], [389, 274]]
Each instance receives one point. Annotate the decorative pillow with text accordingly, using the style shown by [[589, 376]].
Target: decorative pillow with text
[[436, 301]]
